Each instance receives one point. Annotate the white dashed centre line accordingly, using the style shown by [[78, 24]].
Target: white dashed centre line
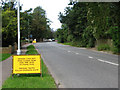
[[69, 51], [108, 62], [90, 57], [77, 53], [97, 59], [100, 60]]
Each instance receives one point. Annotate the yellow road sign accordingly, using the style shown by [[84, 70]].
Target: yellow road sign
[[34, 41], [29, 64]]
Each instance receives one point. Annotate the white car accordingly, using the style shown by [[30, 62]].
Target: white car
[[50, 40]]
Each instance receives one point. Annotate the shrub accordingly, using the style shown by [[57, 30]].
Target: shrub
[[103, 47], [70, 38], [31, 52], [115, 50], [30, 41], [31, 47], [114, 32]]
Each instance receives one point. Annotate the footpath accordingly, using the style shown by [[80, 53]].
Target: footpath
[[6, 66]]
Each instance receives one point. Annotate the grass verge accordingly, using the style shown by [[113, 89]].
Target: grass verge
[[31, 80], [102, 47], [32, 52], [30, 47], [67, 44], [4, 56]]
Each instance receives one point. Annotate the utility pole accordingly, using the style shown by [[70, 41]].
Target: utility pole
[[18, 16]]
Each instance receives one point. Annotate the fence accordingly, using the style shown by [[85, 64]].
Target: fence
[[104, 41], [9, 49]]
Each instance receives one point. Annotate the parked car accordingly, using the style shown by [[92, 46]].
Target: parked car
[[53, 39], [50, 40]]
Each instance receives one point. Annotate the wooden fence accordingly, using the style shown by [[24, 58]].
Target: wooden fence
[[9, 49]]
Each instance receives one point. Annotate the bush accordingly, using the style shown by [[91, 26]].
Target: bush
[[103, 47], [24, 41], [114, 32], [115, 50], [70, 38], [31, 47], [30, 41], [78, 44], [32, 52]]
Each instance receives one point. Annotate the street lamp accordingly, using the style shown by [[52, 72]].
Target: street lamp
[[18, 16]]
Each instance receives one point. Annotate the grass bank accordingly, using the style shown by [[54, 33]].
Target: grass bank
[[102, 47], [4, 56], [31, 80]]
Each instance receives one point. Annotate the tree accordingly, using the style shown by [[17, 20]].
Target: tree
[[39, 23], [34, 23], [9, 27], [26, 23], [76, 20], [90, 22]]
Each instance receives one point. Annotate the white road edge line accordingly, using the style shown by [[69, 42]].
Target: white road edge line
[[108, 62], [69, 51]]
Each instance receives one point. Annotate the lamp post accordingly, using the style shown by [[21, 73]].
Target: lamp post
[[28, 31], [18, 16]]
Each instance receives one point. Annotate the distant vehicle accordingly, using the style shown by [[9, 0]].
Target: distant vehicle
[[53, 39], [50, 40], [27, 39], [45, 40]]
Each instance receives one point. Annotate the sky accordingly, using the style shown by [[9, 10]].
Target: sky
[[52, 8]]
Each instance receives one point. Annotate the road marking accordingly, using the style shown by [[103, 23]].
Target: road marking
[[77, 53], [101, 60], [108, 62], [112, 63], [90, 57], [69, 51], [81, 48]]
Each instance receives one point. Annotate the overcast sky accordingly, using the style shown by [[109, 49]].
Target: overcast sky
[[52, 8]]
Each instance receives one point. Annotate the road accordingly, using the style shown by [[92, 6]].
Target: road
[[74, 67]]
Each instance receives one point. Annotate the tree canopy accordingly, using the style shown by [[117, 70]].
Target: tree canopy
[[31, 23], [89, 22]]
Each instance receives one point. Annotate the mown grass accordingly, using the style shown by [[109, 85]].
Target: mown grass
[[31, 80], [67, 44], [30, 47], [32, 52], [4, 56]]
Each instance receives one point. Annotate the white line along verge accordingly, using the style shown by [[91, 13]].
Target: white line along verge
[[108, 62], [90, 57]]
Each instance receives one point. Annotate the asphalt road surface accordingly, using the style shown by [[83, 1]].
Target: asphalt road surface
[[74, 67]]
